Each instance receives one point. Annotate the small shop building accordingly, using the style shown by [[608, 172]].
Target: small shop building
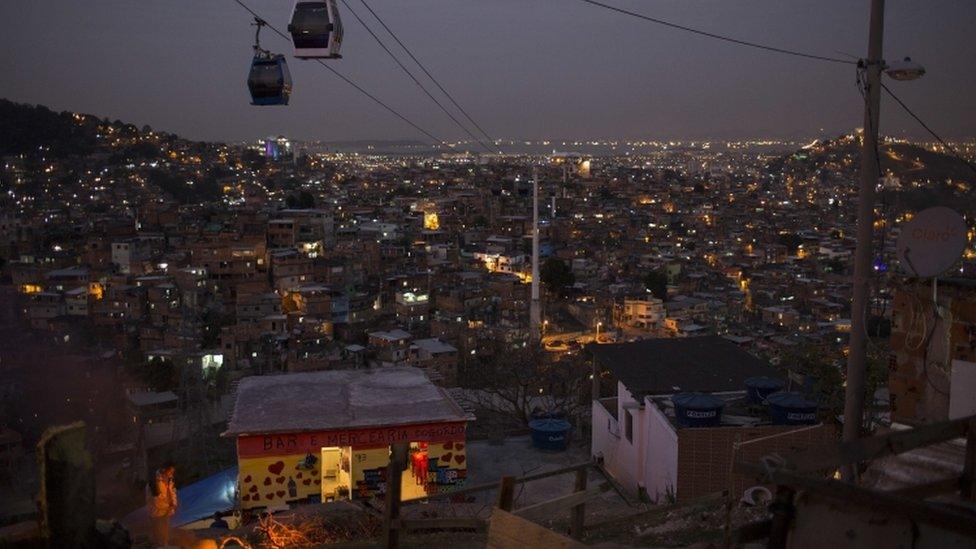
[[327, 436]]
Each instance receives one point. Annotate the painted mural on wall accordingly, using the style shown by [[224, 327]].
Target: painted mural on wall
[[276, 481], [435, 468], [446, 467]]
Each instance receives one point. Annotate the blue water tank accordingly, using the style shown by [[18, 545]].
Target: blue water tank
[[550, 434], [791, 408], [697, 409], [760, 387]]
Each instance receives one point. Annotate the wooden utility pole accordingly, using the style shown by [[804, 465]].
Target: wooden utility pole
[[870, 174], [394, 477], [506, 494], [578, 513]]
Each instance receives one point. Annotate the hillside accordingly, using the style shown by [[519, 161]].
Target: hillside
[[26, 128], [86, 143], [924, 177]]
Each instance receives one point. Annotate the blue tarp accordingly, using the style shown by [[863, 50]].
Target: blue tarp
[[198, 500]]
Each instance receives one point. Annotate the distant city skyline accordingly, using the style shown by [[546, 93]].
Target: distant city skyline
[[545, 69]]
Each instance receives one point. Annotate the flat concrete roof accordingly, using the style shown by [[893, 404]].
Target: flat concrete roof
[[339, 399]]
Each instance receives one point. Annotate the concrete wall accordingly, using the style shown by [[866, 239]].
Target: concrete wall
[[621, 457], [661, 458]]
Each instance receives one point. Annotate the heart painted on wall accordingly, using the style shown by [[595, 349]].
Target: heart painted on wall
[[269, 496], [247, 479], [299, 475], [280, 480], [246, 497], [280, 493], [458, 446], [307, 481], [254, 488], [276, 468], [267, 481], [446, 458], [459, 458], [449, 446]]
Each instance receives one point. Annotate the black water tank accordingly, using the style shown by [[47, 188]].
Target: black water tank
[[760, 387], [697, 409], [790, 408]]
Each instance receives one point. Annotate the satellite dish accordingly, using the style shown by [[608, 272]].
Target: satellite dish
[[931, 242]]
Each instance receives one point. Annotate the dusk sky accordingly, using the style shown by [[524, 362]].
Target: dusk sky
[[525, 69]]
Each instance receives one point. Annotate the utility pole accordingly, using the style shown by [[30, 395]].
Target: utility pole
[[535, 308], [870, 174]]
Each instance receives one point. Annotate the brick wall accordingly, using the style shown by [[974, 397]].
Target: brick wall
[[705, 454], [919, 381]]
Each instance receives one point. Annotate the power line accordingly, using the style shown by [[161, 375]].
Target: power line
[[385, 106], [412, 77], [928, 129], [350, 82], [719, 36], [427, 72]]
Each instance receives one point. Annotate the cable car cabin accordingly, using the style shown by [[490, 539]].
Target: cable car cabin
[[269, 80], [316, 30]]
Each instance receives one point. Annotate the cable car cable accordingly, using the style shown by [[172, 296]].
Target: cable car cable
[[948, 147], [719, 36], [351, 83], [384, 105], [412, 77], [427, 72]]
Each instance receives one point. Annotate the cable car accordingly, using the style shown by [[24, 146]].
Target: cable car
[[269, 80], [316, 30]]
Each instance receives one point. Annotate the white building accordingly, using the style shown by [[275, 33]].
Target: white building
[[643, 313], [637, 437]]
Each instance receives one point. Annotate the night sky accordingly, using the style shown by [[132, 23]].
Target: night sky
[[526, 69]]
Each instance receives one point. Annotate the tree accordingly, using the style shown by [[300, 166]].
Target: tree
[[556, 275], [792, 241], [657, 283], [517, 382], [158, 374], [825, 368], [303, 200], [202, 189]]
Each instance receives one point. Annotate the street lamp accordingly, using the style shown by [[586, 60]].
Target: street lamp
[[598, 325], [905, 70], [872, 68]]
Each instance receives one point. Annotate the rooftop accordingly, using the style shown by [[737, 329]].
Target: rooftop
[[666, 366], [434, 346], [339, 399], [393, 335]]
